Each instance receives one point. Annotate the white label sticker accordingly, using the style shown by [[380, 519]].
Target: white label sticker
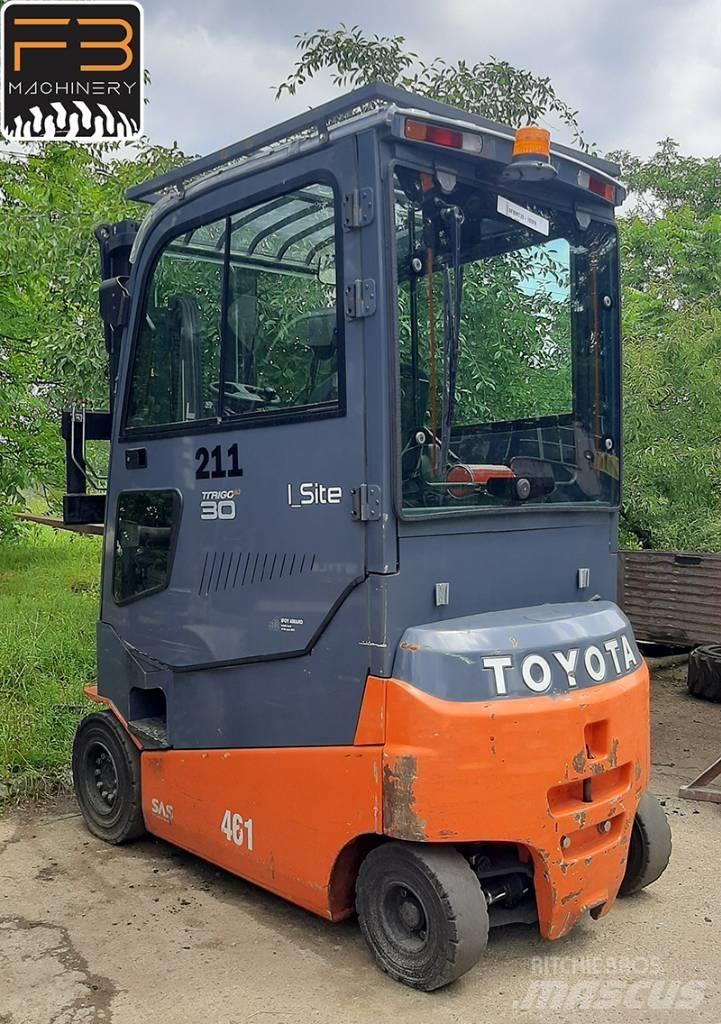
[[523, 216]]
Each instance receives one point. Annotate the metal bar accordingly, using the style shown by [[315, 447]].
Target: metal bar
[[300, 235], [317, 118], [75, 453], [708, 795], [699, 788], [324, 243], [271, 229], [58, 524], [211, 256], [239, 221], [413, 312]]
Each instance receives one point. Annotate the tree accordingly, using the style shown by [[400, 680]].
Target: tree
[[492, 88], [51, 340], [671, 260]]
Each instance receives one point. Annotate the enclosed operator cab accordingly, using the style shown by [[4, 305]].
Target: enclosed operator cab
[[358, 640]]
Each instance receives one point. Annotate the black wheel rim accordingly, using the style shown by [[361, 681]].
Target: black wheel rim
[[404, 918], [101, 779]]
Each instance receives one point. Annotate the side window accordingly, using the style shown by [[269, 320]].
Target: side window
[[242, 317], [146, 525], [177, 355], [282, 320]]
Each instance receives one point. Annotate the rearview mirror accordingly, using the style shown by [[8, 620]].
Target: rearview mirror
[[326, 275], [113, 295]]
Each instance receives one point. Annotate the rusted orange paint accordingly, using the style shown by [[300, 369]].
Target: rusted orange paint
[[305, 804], [513, 771]]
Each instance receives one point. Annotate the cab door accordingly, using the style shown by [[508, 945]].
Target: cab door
[[239, 431]]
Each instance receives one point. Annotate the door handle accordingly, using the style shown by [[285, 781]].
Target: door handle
[[136, 458]]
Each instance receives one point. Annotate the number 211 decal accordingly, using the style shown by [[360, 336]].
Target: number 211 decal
[[221, 467]]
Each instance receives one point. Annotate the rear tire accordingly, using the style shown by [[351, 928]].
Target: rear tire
[[704, 673], [106, 776], [649, 849], [422, 912]]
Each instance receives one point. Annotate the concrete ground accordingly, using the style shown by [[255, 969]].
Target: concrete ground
[[90, 933]]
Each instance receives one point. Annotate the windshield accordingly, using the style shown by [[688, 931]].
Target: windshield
[[509, 351]]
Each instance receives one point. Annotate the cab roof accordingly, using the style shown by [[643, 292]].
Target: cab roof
[[378, 104]]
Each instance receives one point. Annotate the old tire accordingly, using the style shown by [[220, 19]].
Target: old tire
[[422, 912], [704, 673], [106, 776], [649, 849]]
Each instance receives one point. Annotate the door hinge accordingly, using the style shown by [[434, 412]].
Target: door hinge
[[358, 208], [360, 298], [366, 503]]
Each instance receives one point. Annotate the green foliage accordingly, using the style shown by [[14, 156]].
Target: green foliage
[[493, 88], [515, 344], [671, 266], [670, 181], [52, 196], [516, 338], [673, 426], [48, 606], [284, 361]]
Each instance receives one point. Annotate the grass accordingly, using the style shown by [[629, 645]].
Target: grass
[[48, 607]]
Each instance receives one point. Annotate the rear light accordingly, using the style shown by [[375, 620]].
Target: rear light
[[602, 188], [440, 135], [605, 189]]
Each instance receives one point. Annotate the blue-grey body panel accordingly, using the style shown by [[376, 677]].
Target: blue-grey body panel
[[272, 621], [491, 562], [305, 701], [481, 657], [264, 583]]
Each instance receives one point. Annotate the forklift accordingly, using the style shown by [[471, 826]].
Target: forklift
[[357, 640]]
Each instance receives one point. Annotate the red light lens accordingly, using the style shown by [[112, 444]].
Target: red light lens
[[444, 137], [439, 136], [602, 189]]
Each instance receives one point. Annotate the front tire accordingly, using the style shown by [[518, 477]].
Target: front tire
[[649, 849], [106, 776], [422, 912]]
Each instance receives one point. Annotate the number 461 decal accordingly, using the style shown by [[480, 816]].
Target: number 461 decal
[[236, 830]]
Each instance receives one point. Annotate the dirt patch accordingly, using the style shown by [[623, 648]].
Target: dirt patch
[[46, 980]]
